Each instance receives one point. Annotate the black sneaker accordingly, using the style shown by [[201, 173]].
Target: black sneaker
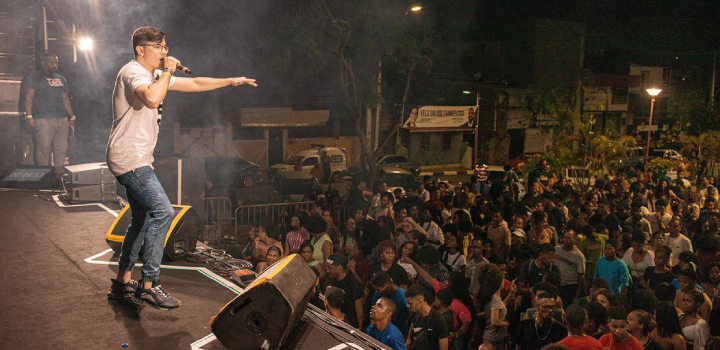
[[156, 297], [121, 291]]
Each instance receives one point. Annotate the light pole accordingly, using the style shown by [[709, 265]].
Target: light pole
[[653, 93]]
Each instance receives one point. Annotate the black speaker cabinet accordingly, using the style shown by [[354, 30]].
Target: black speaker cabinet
[[181, 237], [264, 314]]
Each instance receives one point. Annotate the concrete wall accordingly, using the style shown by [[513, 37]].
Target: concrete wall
[[253, 151], [433, 154], [203, 142]]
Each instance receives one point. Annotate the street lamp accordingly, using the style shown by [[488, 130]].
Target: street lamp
[[416, 8], [85, 44], [653, 92]]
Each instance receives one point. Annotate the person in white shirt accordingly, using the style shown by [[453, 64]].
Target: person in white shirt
[[140, 88], [677, 242]]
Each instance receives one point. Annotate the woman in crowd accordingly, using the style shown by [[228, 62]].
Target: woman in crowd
[[711, 284], [320, 240], [385, 261], [348, 238], [607, 299], [408, 250], [453, 257], [640, 323], [695, 329], [297, 234], [307, 251], [332, 231], [654, 275], [273, 255], [668, 332], [638, 258]]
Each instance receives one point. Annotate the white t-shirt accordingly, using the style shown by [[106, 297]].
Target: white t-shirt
[[637, 270], [135, 127], [677, 245], [456, 260]]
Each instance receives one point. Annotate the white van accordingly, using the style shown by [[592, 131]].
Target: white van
[[308, 159]]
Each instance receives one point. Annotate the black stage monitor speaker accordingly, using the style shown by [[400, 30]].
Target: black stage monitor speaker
[[182, 236], [264, 314], [31, 177]]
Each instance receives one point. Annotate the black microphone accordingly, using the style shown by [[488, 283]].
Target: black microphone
[[183, 69]]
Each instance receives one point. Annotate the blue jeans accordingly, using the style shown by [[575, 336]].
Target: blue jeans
[[152, 214]]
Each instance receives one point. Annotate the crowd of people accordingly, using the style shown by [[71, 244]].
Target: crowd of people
[[630, 263]]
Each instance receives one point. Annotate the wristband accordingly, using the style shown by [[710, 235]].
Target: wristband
[[168, 70], [73, 118], [29, 116]]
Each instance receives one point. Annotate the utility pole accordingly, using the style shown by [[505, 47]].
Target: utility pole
[[712, 87]]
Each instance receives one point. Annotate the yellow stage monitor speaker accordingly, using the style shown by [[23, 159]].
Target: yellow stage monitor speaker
[[264, 314], [181, 238]]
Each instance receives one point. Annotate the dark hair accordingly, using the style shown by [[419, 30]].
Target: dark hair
[[428, 255], [415, 249], [301, 218], [334, 297], [381, 279], [617, 313], [689, 273], [599, 283], [668, 322], [381, 248], [146, 34], [597, 313], [637, 237], [315, 225], [47, 54], [445, 297], [421, 239], [416, 290], [613, 242], [575, 316], [547, 248], [465, 225], [645, 319], [275, 249], [461, 291], [611, 297], [665, 292], [270, 229], [643, 299], [546, 287], [309, 245], [547, 296], [390, 304], [713, 343], [697, 296]]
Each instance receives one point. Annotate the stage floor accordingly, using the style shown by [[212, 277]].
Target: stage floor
[[55, 269]]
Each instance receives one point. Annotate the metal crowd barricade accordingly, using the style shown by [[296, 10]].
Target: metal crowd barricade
[[341, 214], [217, 218], [247, 216]]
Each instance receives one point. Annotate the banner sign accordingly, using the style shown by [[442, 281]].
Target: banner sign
[[422, 117]]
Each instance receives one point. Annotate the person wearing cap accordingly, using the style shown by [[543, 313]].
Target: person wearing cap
[[337, 276]]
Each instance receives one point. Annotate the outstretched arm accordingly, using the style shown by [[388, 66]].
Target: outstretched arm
[[206, 84]]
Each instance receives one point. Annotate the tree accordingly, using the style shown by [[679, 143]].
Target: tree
[[359, 36]]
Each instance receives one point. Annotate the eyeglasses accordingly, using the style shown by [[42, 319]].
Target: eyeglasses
[[158, 46]]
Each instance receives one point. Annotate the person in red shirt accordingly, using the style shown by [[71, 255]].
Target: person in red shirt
[[575, 320], [619, 338]]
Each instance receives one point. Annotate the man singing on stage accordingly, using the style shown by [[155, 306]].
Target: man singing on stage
[[136, 97]]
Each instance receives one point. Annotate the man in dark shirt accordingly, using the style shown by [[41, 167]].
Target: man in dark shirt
[[337, 276], [427, 327], [536, 332], [48, 112], [605, 217], [537, 270]]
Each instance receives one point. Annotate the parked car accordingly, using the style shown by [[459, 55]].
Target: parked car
[[227, 172], [308, 159], [635, 157], [400, 162], [296, 186], [496, 172], [666, 153], [396, 177]]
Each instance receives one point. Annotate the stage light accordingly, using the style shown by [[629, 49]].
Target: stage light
[[416, 8], [85, 44]]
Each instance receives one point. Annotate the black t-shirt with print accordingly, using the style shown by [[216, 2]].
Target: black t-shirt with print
[[428, 330]]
